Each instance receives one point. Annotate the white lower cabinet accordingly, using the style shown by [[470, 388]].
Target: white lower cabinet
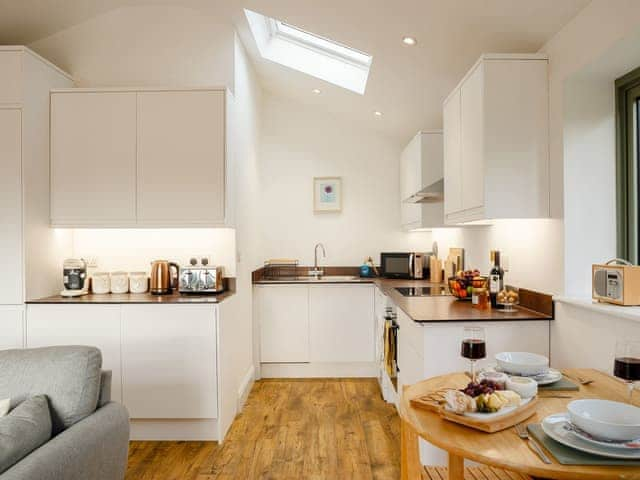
[[316, 330], [163, 357], [92, 325], [169, 361], [341, 323], [428, 350], [11, 326], [283, 319]]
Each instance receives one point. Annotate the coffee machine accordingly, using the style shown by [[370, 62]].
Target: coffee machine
[[74, 275]]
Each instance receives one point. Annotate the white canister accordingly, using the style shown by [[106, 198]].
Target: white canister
[[138, 282], [100, 283], [523, 386], [119, 282]]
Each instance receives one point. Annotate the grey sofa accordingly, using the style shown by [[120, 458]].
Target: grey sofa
[[90, 433]]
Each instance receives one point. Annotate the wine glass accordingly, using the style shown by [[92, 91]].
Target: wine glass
[[474, 347], [627, 363]]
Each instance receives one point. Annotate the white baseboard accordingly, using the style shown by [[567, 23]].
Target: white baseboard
[[174, 429], [245, 387], [319, 370]]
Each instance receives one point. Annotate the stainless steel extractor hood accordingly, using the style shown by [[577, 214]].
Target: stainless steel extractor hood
[[434, 193]]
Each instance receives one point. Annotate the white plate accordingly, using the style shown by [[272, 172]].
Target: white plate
[[632, 445], [487, 417], [552, 376], [557, 427]]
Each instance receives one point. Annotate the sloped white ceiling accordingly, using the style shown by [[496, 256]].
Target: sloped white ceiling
[[407, 84]]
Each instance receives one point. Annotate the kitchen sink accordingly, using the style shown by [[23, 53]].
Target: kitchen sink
[[334, 278], [310, 279]]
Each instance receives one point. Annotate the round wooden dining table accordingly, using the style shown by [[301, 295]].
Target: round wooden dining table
[[503, 449]]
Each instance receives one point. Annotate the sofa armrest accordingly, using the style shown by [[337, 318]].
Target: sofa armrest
[[95, 448], [105, 388]]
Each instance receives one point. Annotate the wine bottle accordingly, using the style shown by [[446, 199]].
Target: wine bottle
[[496, 278]]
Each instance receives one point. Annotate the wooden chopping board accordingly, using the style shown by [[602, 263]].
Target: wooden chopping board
[[434, 402]]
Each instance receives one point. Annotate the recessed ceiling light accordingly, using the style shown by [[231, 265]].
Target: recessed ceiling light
[[317, 91], [377, 113], [409, 41]]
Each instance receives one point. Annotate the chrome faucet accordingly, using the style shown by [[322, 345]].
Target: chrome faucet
[[316, 272]]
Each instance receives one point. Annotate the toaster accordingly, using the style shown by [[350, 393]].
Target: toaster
[[200, 279], [617, 281]]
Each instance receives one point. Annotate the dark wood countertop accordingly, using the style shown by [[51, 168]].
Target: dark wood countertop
[[439, 309], [435, 309], [133, 298]]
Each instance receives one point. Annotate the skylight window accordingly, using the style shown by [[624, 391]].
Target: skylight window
[[309, 53]]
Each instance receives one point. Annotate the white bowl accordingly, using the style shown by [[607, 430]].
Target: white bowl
[[522, 363], [605, 419]]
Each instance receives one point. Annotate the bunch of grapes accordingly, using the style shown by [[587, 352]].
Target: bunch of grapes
[[484, 387]]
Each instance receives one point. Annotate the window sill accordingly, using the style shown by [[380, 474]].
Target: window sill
[[627, 313]]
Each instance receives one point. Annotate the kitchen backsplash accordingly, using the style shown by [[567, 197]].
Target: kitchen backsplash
[[134, 249]]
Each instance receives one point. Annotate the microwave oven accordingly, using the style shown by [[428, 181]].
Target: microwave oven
[[406, 265]]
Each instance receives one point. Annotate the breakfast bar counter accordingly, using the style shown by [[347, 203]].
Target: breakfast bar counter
[[503, 449]]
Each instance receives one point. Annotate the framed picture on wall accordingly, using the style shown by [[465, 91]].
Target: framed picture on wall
[[327, 194]]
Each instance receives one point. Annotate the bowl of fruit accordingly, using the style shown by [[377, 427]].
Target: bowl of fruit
[[462, 285]]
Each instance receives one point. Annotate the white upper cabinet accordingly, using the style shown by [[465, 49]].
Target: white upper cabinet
[[496, 145], [452, 158], [421, 167], [140, 157], [93, 158], [181, 157]]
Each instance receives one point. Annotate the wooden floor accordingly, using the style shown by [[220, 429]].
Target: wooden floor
[[289, 429]]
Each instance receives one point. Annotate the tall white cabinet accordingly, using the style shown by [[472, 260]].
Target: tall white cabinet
[[151, 157], [496, 140], [30, 252]]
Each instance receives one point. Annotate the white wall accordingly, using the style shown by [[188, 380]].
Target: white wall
[[586, 56], [237, 350], [529, 250], [150, 45], [299, 143], [131, 249], [599, 45]]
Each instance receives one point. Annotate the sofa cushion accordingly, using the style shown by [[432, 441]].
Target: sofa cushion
[[24, 429], [69, 376]]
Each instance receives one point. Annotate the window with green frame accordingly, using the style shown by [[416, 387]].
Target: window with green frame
[[628, 167]]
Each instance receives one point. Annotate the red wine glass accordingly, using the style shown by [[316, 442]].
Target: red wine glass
[[474, 347], [627, 363]]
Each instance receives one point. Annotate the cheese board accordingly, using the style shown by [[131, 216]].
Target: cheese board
[[486, 422]]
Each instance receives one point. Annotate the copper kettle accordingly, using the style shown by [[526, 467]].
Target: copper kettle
[[162, 279]]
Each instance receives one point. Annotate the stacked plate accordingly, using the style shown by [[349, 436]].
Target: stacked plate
[[599, 427], [525, 364]]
